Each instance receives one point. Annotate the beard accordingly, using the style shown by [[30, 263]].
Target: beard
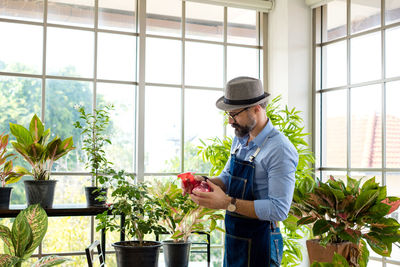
[[241, 131]]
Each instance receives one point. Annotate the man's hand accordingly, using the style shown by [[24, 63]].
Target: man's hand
[[217, 199], [189, 187]]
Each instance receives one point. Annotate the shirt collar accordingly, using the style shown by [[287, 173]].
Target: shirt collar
[[259, 138]]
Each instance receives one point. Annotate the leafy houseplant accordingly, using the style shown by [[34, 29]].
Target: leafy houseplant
[[7, 174], [94, 139], [289, 122], [33, 145], [183, 218], [28, 231], [347, 213], [142, 216]]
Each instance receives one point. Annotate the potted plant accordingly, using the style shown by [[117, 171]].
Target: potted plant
[[345, 217], [94, 139], [184, 217], [28, 231], [142, 216], [33, 145], [7, 174]]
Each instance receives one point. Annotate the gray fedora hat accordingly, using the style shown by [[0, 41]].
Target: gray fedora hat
[[242, 92]]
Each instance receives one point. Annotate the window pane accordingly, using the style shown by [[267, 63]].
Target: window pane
[[367, 175], [61, 97], [392, 12], [162, 129], [164, 17], [338, 175], [366, 68], [204, 22], [117, 15], [318, 130], [242, 62], [24, 46], [336, 65], [202, 121], [74, 233], [20, 99], [365, 15], [392, 125], [334, 129], [242, 26], [70, 189], [204, 64], [336, 20], [69, 52], [122, 150], [366, 127], [116, 57], [318, 67], [22, 9], [392, 52], [71, 12], [163, 61]]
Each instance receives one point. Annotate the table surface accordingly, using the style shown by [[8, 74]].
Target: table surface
[[56, 210]]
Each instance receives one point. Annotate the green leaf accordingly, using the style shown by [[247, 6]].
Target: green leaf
[[378, 245], [22, 135], [8, 260], [21, 235], [307, 220], [369, 185], [321, 226], [37, 218], [48, 261], [5, 235], [36, 128], [339, 260]]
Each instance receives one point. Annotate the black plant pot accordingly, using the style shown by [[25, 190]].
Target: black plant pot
[[130, 254], [41, 192], [5, 193], [176, 254], [92, 193]]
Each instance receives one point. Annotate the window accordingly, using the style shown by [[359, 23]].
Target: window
[[356, 87], [163, 67]]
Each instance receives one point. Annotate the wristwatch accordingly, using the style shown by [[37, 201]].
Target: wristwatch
[[232, 205]]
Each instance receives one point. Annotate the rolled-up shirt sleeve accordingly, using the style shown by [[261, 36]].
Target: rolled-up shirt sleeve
[[281, 168]]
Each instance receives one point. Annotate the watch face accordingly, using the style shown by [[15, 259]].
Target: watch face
[[231, 207]]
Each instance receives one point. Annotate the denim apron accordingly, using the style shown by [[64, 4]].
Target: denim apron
[[249, 242]]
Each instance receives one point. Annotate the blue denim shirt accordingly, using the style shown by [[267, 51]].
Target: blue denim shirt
[[275, 167]]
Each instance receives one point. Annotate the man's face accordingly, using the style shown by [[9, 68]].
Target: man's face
[[242, 121]]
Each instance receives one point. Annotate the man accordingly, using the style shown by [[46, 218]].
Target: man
[[256, 186]]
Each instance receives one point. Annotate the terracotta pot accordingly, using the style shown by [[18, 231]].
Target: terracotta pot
[[318, 253]]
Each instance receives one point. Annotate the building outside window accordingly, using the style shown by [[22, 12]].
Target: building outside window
[[357, 87], [162, 63]]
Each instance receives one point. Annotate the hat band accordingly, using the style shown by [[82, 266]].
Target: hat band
[[243, 102]]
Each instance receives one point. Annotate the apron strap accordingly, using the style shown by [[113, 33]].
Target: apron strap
[[252, 157]]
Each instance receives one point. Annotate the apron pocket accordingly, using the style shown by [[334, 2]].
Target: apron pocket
[[237, 251], [276, 248]]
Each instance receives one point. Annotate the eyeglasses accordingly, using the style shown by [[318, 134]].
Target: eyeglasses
[[232, 116]]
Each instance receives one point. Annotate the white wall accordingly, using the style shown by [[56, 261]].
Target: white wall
[[289, 62], [289, 52]]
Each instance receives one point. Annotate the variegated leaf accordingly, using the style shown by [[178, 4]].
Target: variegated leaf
[[8, 260], [48, 261], [21, 235], [36, 128], [37, 219], [5, 235]]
